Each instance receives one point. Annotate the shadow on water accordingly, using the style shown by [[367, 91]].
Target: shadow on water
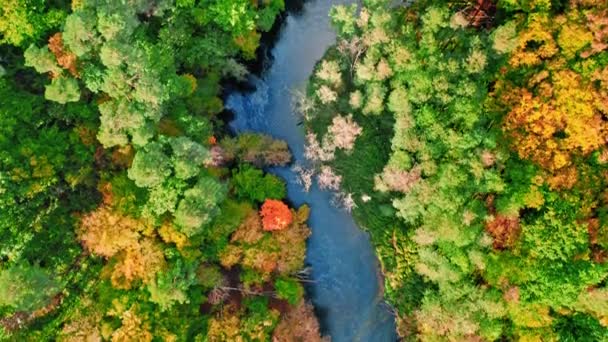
[[346, 290]]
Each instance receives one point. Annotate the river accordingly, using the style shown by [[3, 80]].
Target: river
[[345, 288]]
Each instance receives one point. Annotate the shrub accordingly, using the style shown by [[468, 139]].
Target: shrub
[[250, 183], [289, 289]]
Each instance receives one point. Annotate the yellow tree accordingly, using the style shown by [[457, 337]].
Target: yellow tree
[[129, 242], [563, 121]]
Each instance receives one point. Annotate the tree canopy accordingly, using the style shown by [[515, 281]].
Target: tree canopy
[[120, 191], [483, 124]]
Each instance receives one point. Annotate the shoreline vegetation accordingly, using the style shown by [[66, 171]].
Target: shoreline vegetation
[[128, 213], [469, 139]]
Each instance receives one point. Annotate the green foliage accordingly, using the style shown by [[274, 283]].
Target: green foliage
[[232, 214], [237, 16], [240, 19], [163, 198], [479, 242], [343, 18], [172, 285], [268, 14], [580, 327], [79, 32], [525, 5], [252, 184], [188, 157], [553, 237], [128, 198], [289, 289], [122, 151], [260, 320], [150, 167], [45, 172], [26, 288], [199, 205], [41, 59], [209, 276], [63, 90], [23, 22]]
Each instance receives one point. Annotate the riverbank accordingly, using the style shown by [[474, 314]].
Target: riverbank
[[453, 128], [127, 214], [346, 291]]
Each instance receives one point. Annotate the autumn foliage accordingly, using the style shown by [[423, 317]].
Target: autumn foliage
[[115, 212], [65, 59], [502, 101], [505, 231], [279, 251], [299, 324], [562, 122], [557, 111], [134, 253], [275, 215], [105, 233]]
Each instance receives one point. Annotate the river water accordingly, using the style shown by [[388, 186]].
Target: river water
[[346, 289]]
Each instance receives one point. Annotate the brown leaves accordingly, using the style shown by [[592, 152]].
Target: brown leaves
[[505, 231], [511, 295], [280, 250], [480, 13], [598, 236], [138, 262], [250, 231], [65, 59], [488, 158], [300, 324]]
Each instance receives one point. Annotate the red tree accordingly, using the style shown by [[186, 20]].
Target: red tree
[[275, 215]]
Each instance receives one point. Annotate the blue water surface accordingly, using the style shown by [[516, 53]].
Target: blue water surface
[[346, 287]]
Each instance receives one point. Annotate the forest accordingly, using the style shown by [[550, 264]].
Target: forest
[[471, 136], [128, 210], [468, 137]]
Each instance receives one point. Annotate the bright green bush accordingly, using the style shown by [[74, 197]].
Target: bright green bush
[[289, 289], [250, 183]]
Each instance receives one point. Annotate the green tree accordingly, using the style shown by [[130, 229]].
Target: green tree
[[41, 59], [163, 198], [150, 167], [45, 172], [26, 288], [63, 90], [289, 289], [199, 205], [188, 157], [172, 285], [250, 183], [24, 22]]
